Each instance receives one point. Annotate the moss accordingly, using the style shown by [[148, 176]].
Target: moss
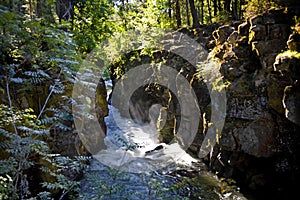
[[102, 103], [275, 95], [290, 54], [166, 134]]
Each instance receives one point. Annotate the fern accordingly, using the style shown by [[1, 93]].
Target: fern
[[23, 148], [35, 59], [62, 127], [30, 131], [63, 164], [36, 77]]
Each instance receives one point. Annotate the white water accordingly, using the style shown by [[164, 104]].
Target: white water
[[142, 136], [123, 133]]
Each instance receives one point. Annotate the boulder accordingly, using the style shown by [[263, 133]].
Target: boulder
[[258, 138], [275, 90], [278, 31], [294, 42], [243, 29], [222, 33], [257, 32], [263, 48], [291, 103]]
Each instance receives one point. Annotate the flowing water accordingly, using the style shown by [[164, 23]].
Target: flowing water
[[135, 165]]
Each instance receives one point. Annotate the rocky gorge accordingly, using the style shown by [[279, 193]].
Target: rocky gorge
[[258, 146], [140, 99], [259, 62]]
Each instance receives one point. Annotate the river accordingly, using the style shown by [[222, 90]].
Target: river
[[136, 166]]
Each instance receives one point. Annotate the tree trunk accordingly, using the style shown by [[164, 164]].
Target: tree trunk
[[187, 13], [30, 8], [240, 9], [64, 10], [196, 23], [209, 10], [39, 7], [235, 9], [178, 14], [170, 9], [123, 12], [227, 6], [219, 5], [11, 5], [215, 2], [201, 12]]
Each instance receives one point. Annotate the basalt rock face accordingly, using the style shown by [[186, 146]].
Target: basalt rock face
[[155, 101], [259, 144], [68, 142]]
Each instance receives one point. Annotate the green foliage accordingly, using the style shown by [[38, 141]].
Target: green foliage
[[6, 187], [290, 54], [255, 7], [24, 149], [222, 17], [62, 169], [20, 147], [138, 15], [90, 27], [38, 66]]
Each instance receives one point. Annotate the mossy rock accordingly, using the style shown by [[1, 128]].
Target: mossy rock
[[275, 94]]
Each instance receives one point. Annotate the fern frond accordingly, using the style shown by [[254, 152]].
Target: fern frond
[[62, 127], [6, 133], [31, 131], [17, 80]]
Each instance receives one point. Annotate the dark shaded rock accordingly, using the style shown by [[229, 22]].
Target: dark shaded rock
[[262, 104], [263, 48], [243, 41], [159, 147], [101, 103], [250, 108], [279, 16], [291, 103], [293, 10], [232, 38], [294, 42], [278, 31], [287, 64], [258, 19], [269, 20], [231, 70], [257, 32], [242, 51], [230, 132], [275, 89], [250, 66], [268, 61], [229, 55], [258, 139], [243, 29], [222, 33]]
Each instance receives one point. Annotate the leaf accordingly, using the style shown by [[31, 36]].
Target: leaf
[[17, 80]]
